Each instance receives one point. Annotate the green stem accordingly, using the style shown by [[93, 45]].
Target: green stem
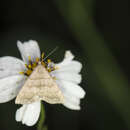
[[40, 125]]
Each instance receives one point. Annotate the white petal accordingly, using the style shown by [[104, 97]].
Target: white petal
[[71, 66], [69, 55], [27, 49], [68, 64], [20, 113], [71, 88], [67, 58], [28, 114], [67, 76], [72, 99], [10, 66], [10, 86], [71, 105]]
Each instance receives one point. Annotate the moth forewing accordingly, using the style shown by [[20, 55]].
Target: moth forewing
[[40, 86]]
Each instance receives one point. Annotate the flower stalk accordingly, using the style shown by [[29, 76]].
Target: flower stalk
[[41, 122]]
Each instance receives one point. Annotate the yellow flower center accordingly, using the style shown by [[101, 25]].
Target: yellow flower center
[[48, 64]]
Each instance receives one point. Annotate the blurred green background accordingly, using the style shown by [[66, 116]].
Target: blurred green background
[[97, 32]]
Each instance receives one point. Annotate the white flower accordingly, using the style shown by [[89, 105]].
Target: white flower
[[66, 76]]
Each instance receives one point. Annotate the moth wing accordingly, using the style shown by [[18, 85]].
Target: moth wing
[[40, 86]]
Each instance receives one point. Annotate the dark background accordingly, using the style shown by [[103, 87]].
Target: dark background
[[97, 32]]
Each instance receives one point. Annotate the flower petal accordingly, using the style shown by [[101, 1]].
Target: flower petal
[[67, 76], [29, 48], [28, 113], [67, 58], [71, 66], [68, 64], [72, 99], [10, 86], [71, 88], [70, 105], [10, 66], [69, 55]]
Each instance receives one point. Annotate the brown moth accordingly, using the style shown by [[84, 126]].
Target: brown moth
[[40, 86]]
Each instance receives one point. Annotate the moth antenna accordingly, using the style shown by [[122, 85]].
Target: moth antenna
[[51, 53]]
